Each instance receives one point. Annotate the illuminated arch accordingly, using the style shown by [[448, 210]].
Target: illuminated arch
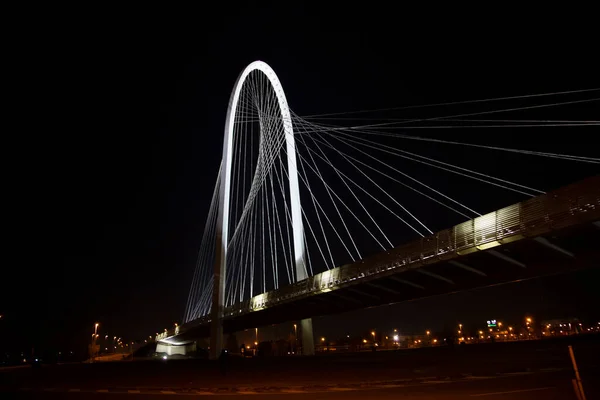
[[225, 189]]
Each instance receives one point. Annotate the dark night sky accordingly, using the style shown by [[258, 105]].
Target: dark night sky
[[117, 134]]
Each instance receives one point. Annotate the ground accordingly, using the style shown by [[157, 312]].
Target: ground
[[522, 370]]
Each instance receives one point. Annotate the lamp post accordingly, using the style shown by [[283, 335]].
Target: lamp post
[[93, 344], [295, 338]]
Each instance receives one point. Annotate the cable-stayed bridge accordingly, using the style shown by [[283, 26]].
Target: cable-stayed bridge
[[309, 218]]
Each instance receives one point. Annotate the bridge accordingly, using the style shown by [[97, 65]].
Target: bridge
[[258, 265]]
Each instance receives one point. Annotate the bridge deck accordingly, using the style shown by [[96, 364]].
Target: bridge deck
[[551, 233]]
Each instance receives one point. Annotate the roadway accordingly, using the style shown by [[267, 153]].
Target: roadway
[[521, 370], [549, 386]]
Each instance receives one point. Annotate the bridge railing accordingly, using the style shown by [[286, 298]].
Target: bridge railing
[[564, 207]]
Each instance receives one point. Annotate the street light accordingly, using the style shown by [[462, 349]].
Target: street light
[[93, 344], [427, 333], [295, 338]]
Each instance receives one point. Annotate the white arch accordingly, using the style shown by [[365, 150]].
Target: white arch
[[225, 189]]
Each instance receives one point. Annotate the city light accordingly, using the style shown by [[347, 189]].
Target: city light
[[322, 339], [396, 338]]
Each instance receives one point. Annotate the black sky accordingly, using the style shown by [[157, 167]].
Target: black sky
[[114, 132]]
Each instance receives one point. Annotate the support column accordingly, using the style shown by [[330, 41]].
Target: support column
[[218, 295], [308, 341], [216, 333]]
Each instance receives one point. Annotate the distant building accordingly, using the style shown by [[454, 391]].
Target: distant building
[[558, 327]]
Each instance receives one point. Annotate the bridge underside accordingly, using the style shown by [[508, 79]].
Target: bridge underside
[[562, 251]]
